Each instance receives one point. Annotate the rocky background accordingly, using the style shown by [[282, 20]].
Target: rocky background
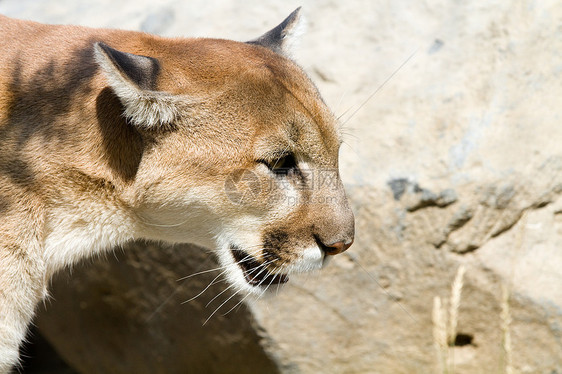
[[453, 156]]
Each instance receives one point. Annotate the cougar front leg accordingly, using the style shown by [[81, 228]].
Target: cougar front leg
[[20, 290], [12, 332]]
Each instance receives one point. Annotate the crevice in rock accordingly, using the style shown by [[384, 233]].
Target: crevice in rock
[[500, 228], [416, 197], [462, 340], [542, 204], [465, 248], [508, 226], [459, 219], [537, 205]]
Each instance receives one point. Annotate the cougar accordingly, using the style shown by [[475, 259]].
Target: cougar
[[107, 136]]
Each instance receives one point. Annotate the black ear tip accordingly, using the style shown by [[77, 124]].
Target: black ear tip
[[294, 15], [141, 70], [277, 38]]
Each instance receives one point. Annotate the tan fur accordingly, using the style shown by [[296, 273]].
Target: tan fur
[[89, 159]]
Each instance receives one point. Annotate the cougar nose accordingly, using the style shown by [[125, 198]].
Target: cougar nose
[[334, 248]]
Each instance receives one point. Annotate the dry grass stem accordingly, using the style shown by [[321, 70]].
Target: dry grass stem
[[440, 333], [445, 324], [456, 290], [505, 316]]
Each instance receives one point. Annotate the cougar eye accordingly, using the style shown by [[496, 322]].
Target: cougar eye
[[283, 165]]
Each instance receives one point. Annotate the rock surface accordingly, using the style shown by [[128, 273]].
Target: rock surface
[[453, 155]]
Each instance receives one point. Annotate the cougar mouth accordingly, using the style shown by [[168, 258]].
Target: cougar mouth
[[255, 272]]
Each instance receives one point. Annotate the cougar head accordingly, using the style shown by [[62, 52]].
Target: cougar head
[[242, 155]]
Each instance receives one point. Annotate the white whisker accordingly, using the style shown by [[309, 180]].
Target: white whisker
[[217, 295], [380, 87], [216, 310], [214, 269], [205, 289], [200, 272], [238, 303]]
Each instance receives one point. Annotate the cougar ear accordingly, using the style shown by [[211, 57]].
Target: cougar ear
[[282, 38], [133, 79]]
